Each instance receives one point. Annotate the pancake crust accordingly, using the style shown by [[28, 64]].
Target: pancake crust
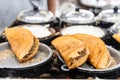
[[73, 51], [99, 55], [21, 41], [116, 37]]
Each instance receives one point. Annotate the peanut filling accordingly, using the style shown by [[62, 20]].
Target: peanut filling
[[32, 49], [81, 54]]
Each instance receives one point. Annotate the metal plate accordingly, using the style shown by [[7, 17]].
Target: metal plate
[[89, 68], [9, 60]]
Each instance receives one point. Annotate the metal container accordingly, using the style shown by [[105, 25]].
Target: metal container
[[38, 17], [11, 67], [35, 15], [87, 69], [107, 18], [95, 6], [79, 16], [109, 40]]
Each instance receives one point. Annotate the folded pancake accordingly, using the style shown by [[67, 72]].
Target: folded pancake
[[73, 51], [116, 37], [99, 56], [22, 42]]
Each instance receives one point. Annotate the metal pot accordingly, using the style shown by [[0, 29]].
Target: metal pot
[[79, 16], [111, 31], [87, 69], [107, 18], [10, 67], [95, 6], [95, 3], [44, 33], [36, 17]]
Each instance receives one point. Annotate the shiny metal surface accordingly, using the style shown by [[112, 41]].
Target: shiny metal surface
[[79, 17], [44, 53], [109, 16], [89, 68], [33, 16], [115, 28]]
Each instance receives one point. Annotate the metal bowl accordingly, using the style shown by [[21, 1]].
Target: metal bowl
[[11, 67], [109, 40], [77, 17], [89, 69], [108, 18]]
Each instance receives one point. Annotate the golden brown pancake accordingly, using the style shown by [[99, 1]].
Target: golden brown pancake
[[22, 42], [99, 55], [73, 51], [116, 37]]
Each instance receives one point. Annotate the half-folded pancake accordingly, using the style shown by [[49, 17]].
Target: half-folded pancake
[[99, 55], [22, 42], [73, 51], [116, 37]]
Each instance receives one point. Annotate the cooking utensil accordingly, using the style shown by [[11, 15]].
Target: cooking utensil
[[86, 68], [79, 16], [35, 15], [107, 18], [10, 67], [115, 29], [40, 17], [95, 3]]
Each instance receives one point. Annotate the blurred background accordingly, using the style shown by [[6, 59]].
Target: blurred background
[[10, 9]]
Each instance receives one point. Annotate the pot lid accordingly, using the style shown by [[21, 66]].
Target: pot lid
[[115, 28], [36, 16], [111, 15], [114, 3], [95, 3], [79, 16]]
